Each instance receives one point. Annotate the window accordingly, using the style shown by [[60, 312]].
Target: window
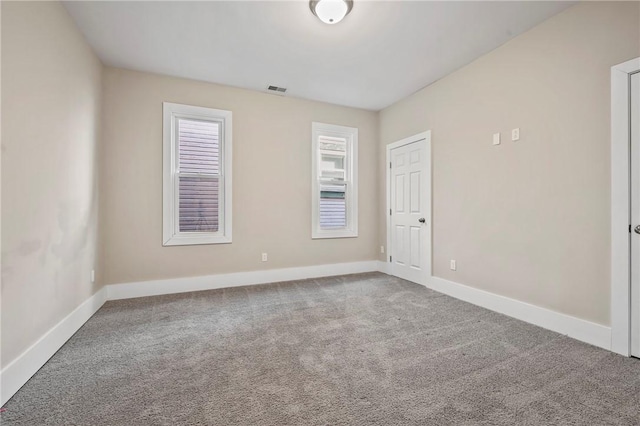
[[335, 187], [197, 175]]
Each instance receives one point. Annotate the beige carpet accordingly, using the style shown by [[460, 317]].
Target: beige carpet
[[352, 350]]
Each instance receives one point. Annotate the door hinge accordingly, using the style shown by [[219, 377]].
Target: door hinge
[[391, 212], [389, 165], [629, 228], [390, 258]]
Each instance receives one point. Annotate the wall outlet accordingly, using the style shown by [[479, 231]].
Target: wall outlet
[[496, 138], [93, 275], [515, 134], [264, 257], [381, 249], [453, 265]]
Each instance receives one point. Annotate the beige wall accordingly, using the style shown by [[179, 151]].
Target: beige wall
[[527, 219], [271, 181], [51, 104]]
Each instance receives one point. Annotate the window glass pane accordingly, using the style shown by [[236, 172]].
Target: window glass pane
[[333, 154], [199, 204], [199, 146], [332, 166], [333, 206]]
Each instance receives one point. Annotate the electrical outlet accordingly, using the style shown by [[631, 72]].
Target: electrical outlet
[[264, 257], [381, 249], [515, 134], [453, 265], [93, 275]]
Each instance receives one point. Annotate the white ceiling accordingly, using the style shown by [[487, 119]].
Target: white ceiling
[[380, 53]]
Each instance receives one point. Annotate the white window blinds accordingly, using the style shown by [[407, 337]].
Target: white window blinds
[[199, 175]]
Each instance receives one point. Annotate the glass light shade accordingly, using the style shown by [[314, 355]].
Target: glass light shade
[[330, 11]]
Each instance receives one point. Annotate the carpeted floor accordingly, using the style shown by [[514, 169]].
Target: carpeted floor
[[351, 350]]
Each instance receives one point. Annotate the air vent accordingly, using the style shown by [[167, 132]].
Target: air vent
[[277, 90]]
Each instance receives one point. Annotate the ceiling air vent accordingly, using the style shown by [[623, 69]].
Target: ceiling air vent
[[276, 90]]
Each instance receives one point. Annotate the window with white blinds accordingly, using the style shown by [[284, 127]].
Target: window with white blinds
[[197, 175], [334, 199]]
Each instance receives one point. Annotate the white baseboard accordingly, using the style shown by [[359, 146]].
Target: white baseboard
[[19, 371], [211, 282], [384, 267], [583, 330], [579, 329]]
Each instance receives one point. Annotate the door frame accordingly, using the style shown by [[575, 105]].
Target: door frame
[[620, 206], [425, 138]]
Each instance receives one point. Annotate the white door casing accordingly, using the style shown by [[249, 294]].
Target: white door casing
[[635, 212], [622, 232], [409, 208]]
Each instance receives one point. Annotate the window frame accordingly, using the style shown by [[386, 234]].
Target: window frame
[[171, 235], [350, 134]]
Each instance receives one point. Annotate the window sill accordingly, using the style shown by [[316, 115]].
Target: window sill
[[319, 235], [189, 240]]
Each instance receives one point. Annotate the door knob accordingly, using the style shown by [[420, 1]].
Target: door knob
[[637, 229], [422, 220]]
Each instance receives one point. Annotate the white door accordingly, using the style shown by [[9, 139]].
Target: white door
[[410, 210], [635, 214]]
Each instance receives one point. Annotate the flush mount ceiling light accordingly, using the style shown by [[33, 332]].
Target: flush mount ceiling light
[[331, 11]]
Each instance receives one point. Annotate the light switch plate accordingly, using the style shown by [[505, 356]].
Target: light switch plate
[[515, 134], [496, 138]]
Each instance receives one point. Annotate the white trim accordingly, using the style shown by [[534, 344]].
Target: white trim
[[351, 179], [20, 370], [237, 279], [424, 136], [579, 329], [170, 234], [620, 202], [576, 328], [384, 267]]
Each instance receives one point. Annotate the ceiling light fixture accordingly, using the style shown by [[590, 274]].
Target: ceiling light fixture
[[331, 11]]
